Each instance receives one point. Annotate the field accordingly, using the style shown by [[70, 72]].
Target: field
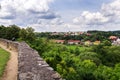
[[81, 48], [4, 57]]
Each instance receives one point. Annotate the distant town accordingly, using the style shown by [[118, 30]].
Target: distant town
[[83, 38]]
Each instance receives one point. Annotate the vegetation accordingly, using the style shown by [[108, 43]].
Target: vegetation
[[4, 57], [14, 31], [98, 62], [93, 35], [81, 63]]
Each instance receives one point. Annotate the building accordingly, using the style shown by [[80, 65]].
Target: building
[[54, 33], [88, 43], [117, 42], [88, 34], [73, 41], [113, 38], [96, 42]]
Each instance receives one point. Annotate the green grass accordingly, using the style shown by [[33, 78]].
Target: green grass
[[81, 48], [4, 57]]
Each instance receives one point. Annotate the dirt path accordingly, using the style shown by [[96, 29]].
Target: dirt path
[[12, 66]]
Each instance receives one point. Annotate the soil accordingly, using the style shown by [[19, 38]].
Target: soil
[[11, 70]]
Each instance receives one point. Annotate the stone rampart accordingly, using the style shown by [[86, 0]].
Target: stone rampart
[[9, 44], [30, 65]]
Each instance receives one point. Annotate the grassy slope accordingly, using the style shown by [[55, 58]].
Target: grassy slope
[[4, 57]]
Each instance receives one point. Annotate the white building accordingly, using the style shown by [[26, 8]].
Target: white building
[[117, 42]]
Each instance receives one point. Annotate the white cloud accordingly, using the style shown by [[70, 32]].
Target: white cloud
[[37, 13], [91, 18], [112, 11], [26, 12], [108, 18], [26, 5], [56, 21], [108, 14]]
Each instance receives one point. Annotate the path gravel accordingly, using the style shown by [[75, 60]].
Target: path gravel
[[12, 66]]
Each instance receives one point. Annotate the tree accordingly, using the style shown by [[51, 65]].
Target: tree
[[85, 70], [2, 31], [27, 34], [30, 34], [9, 32], [117, 71], [90, 56], [77, 51], [103, 73], [23, 34], [106, 43]]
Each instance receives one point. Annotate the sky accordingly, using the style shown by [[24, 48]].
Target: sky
[[61, 15]]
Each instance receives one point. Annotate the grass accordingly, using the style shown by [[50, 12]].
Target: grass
[[4, 57], [81, 48]]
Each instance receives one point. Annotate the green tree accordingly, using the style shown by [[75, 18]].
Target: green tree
[[106, 43], [85, 70], [11, 32], [23, 34], [90, 56], [30, 34], [27, 34]]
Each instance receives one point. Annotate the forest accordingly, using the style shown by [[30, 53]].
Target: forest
[[72, 62], [100, 62]]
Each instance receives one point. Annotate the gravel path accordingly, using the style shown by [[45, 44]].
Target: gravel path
[[12, 66]]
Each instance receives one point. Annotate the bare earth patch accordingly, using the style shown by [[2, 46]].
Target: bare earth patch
[[11, 70]]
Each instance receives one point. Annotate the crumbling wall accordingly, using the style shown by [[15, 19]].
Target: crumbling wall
[[9, 44], [30, 65]]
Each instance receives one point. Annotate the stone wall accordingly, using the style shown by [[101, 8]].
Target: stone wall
[[30, 65], [9, 44]]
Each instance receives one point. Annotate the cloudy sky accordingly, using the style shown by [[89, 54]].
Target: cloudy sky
[[61, 15]]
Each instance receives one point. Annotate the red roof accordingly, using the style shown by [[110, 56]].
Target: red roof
[[73, 40], [112, 37], [88, 34], [80, 32]]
